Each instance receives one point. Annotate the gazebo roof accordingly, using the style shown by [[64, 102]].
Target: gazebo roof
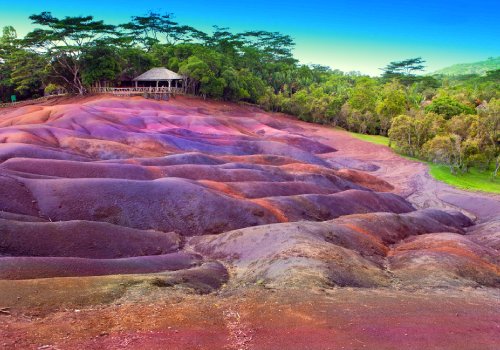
[[158, 74]]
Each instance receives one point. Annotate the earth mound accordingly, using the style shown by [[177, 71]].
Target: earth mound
[[116, 204]]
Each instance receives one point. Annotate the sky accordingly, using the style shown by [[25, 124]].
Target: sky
[[348, 35]]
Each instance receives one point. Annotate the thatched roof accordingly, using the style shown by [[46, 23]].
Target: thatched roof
[[158, 74]]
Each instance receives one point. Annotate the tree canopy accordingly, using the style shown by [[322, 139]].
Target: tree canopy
[[404, 70]]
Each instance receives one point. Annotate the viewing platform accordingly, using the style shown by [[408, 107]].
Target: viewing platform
[[151, 92], [158, 83]]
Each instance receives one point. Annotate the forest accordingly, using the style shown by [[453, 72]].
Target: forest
[[449, 120]]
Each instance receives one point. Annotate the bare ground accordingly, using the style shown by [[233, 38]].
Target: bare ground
[[411, 178], [115, 313]]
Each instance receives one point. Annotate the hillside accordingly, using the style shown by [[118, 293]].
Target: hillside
[[128, 223], [481, 67]]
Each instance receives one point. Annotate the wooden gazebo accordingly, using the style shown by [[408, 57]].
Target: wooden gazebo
[[159, 77], [159, 83]]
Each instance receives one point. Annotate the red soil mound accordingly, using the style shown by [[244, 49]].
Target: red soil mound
[[357, 250], [83, 239], [13, 268]]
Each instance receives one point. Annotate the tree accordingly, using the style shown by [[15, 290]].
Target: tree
[[203, 75], [402, 134], [410, 133], [21, 71], [271, 101], [28, 73], [392, 103], [149, 29], [100, 63], [448, 107], [8, 45], [277, 46], [466, 126], [242, 85], [404, 70], [445, 149], [363, 96], [299, 105], [134, 61], [65, 42], [360, 109], [489, 132]]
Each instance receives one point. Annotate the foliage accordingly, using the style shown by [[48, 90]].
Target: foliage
[[475, 179], [448, 107], [403, 71], [65, 41], [393, 102], [481, 68], [28, 73], [488, 133], [100, 63], [51, 88]]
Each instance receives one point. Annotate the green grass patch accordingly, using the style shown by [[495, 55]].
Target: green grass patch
[[475, 179], [377, 139]]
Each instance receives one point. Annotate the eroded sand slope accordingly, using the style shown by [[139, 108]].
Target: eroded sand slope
[[108, 204]]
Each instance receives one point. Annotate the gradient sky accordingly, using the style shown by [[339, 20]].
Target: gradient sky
[[348, 35]]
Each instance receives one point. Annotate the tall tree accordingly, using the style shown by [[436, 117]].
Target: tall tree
[[392, 104], [277, 46], [8, 45], [404, 71], [65, 42], [21, 71], [149, 30], [489, 132]]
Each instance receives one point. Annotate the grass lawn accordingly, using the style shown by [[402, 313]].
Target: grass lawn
[[474, 180], [379, 140]]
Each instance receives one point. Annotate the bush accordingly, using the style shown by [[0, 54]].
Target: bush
[[51, 89], [448, 107]]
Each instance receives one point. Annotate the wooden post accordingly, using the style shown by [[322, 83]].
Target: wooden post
[[136, 84]]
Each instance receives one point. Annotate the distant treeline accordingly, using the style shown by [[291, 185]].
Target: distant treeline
[[450, 120]]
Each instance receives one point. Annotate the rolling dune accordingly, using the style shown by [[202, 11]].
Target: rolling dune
[[114, 204]]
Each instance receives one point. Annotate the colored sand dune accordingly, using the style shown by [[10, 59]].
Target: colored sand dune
[[107, 204]]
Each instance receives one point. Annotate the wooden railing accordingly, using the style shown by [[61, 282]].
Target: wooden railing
[[25, 102], [159, 92], [136, 90]]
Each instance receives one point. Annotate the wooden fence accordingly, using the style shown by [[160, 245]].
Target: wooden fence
[[137, 91], [151, 92], [26, 102]]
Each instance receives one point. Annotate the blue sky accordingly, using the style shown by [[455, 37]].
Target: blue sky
[[348, 35]]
